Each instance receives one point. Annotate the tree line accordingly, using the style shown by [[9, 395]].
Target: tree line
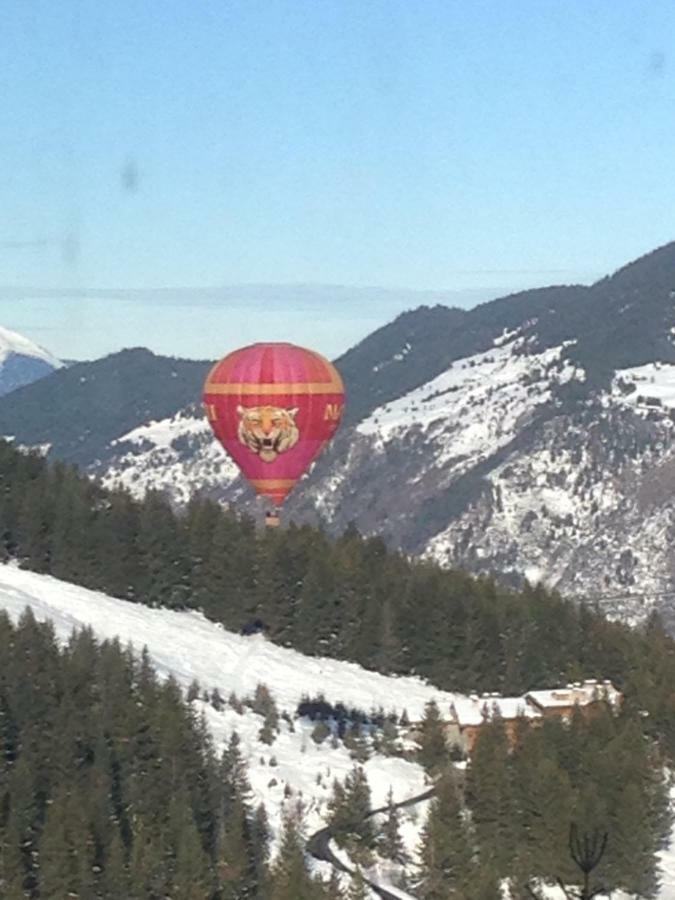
[[349, 598]]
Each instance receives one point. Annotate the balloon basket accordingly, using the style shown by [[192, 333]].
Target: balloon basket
[[272, 518]]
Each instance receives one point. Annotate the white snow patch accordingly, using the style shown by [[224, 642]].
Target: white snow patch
[[178, 456], [506, 337], [12, 342], [653, 381], [162, 433], [397, 357], [475, 406]]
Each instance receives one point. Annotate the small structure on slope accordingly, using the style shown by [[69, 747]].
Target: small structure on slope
[[469, 714], [560, 702]]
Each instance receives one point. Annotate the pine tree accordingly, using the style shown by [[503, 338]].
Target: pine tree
[[116, 569], [349, 814], [433, 751], [191, 875], [446, 851], [390, 842], [236, 858], [317, 620], [64, 851], [164, 578], [149, 875], [356, 743], [290, 878], [490, 795], [543, 802], [217, 701], [115, 878], [337, 807], [260, 839], [320, 732]]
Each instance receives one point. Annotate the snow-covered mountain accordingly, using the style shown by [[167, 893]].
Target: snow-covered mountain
[[188, 647], [22, 361], [529, 437]]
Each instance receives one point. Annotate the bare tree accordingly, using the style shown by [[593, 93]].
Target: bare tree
[[586, 850]]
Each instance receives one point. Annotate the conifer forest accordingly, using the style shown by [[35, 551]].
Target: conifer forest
[[110, 786]]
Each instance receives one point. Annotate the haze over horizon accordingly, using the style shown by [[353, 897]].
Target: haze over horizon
[[469, 148], [208, 322]]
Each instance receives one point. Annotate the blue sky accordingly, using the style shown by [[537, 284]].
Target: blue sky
[[453, 145]]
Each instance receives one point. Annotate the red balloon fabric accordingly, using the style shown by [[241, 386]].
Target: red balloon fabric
[[274, 407]]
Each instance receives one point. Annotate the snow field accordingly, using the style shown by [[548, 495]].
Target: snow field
[[654, 381]]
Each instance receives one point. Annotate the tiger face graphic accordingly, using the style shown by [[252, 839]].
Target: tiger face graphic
[[267, 430]]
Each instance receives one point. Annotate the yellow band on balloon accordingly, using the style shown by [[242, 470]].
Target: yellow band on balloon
[[274, 389]]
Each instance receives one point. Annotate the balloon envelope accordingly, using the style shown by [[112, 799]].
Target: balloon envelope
[[274, 407]]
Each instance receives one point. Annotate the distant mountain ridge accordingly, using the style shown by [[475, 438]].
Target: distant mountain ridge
[[82, 408], [531, 436]]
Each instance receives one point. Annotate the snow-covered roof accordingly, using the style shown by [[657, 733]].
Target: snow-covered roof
[[473, 710], [575, 695]]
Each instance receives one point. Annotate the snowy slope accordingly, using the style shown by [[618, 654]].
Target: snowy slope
[[529, 437], [440, 432], [477, 405], [22, 361], [486, 466], [177, 455], [188, 646], [646, 387]]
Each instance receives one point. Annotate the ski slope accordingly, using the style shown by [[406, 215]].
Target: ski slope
[[189, 646]]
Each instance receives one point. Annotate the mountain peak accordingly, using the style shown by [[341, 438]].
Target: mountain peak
[[22, 361], [11, 342]]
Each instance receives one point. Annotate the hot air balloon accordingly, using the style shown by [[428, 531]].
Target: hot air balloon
[[274, 407]]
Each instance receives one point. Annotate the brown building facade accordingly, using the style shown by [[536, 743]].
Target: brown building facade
[[468, 715]]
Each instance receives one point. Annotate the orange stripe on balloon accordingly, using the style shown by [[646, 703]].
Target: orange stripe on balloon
[[315, 387], [273, 483]]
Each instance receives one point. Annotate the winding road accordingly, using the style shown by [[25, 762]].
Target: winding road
[[318, 845]]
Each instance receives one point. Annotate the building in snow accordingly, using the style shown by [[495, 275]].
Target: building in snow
[[560, 702], [469, 714]]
